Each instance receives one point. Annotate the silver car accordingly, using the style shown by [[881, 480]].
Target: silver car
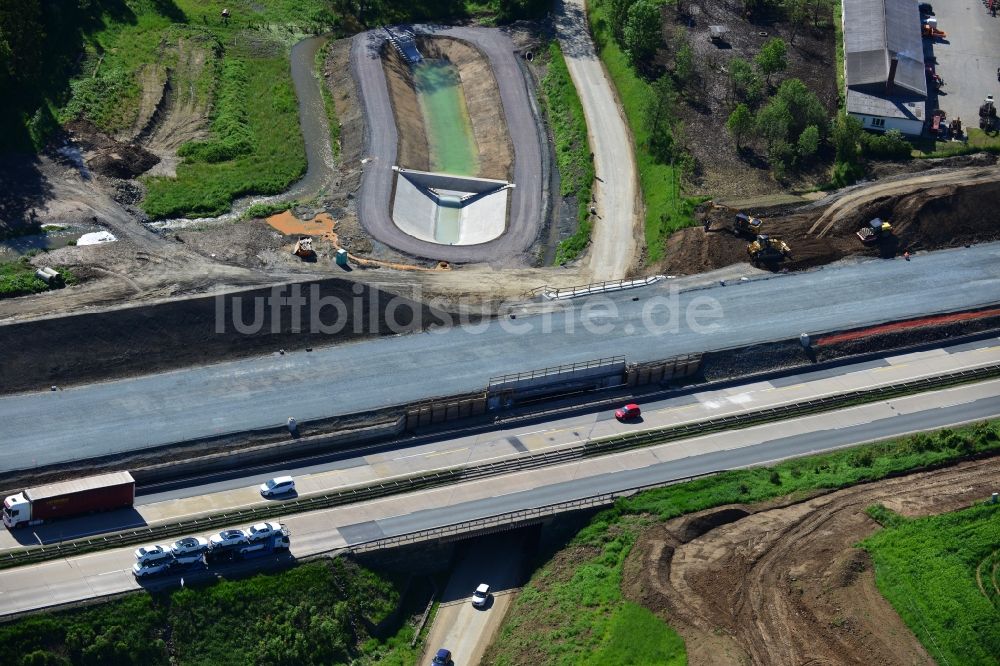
[[263, 530], [140, 570], [229, 538], [279, 485], [150, 554], [189, 546]]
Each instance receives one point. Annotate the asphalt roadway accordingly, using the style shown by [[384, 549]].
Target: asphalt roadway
[[967, 60], [99, 419], [107, 572], [381, 138]]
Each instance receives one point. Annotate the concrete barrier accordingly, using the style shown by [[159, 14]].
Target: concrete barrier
[[227, 460]]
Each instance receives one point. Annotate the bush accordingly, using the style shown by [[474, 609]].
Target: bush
[[808, 142], [890, 145]]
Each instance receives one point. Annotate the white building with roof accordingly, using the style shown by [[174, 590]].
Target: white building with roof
[[884, 64]]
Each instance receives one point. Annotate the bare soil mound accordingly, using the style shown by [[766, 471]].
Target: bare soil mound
[[927, 212], [108, 156], [784, 583]]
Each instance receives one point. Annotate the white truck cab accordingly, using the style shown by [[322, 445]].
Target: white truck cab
[[16, 510]]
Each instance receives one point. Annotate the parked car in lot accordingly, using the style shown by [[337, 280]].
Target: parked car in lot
[[141, 570], [151, 554], [263, 530], [481, 595], [229, 538], [279, 485], [443, 658], [629, 411], [189, 546]]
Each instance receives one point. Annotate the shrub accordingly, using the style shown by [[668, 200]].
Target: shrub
[[808, 142], [890, 145], [774, 477]]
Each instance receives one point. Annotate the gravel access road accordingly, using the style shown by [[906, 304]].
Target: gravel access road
[[614, 238], [381, 139]]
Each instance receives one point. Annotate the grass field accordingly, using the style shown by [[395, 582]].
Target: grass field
[[927, 569], [573, 608], [569, 130], [321, 613], [272, 157], [666, 208], [328, 104]]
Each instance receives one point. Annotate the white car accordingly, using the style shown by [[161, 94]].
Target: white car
[[263, 530], [229, 538], [279, 485], [189, 546], [151, 554], [140, 569], [480, 596]]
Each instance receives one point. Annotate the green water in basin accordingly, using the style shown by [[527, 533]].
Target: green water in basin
[[449, 219], [446, 118]]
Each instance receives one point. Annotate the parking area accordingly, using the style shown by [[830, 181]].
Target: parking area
[[967, 59]]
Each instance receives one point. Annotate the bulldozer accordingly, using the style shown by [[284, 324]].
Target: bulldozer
[[744, 224], [768, 250], [874, 231]]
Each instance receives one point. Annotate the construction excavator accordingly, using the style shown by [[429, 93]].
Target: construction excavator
[[768, 250], [746, 225], [304, 248]]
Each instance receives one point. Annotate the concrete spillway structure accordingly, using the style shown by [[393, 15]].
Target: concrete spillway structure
[[449, 209]]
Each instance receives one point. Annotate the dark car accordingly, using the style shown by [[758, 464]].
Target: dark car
[[443, 658], [628, 412]]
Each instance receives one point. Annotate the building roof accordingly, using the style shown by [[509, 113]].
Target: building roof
[[79, 485], [895, 106], [876, 32]]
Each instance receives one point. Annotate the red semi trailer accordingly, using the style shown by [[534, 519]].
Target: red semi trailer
[[69, 498]]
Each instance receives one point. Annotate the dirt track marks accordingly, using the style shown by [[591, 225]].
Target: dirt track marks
[[784, 584], [852, 200]]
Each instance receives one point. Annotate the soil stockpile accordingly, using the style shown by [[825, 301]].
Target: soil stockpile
[[783, 583], [926, 212], [199, 331]]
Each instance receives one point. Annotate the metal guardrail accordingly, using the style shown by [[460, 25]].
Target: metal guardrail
[[438, 478], [552, 371], [514, 518], [558, 294]]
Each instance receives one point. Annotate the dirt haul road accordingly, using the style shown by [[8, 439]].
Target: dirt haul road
[[783, 583]]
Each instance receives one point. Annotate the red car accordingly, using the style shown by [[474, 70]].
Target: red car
[[628, 412]]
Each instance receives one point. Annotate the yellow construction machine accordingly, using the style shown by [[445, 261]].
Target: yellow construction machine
[[876, 230], [746, 225], [768, 250]]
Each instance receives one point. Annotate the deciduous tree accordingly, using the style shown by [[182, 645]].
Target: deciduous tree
[[773, 58], [642, 30], [740, 124]]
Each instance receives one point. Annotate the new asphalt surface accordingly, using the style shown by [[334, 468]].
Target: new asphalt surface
[[643, 324], [381, 139]]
